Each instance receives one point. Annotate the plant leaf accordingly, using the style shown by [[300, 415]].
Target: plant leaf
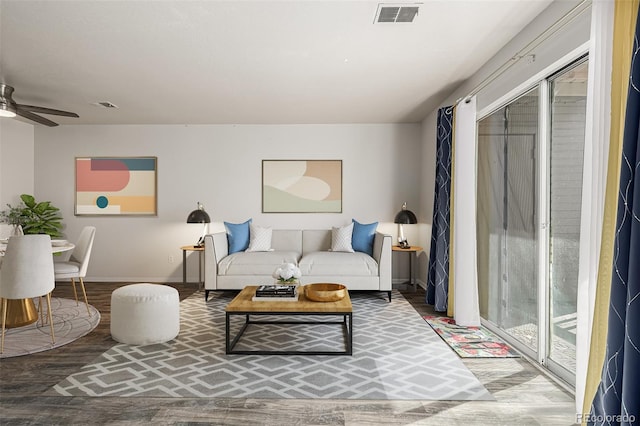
[[28, 200]]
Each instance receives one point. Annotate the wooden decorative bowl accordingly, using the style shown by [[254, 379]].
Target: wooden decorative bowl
[[324, 292]]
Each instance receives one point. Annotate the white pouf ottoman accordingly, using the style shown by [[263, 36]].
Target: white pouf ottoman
[[142, 314]]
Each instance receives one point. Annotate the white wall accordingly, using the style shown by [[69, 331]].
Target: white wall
[[16, 161], [220, 166], [571, 37]]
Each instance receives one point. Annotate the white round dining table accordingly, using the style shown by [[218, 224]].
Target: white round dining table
[[56, 247]]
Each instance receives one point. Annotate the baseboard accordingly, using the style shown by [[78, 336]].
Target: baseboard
[[165, 280], [401, 281], [161, 280]]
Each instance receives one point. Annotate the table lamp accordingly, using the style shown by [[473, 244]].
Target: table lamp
[[404, 216], [199, 216]]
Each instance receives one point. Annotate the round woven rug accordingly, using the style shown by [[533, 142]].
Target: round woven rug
[[70, 322]]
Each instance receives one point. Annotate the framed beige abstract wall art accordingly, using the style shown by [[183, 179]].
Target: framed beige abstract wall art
[[116, 186], [302, 186]]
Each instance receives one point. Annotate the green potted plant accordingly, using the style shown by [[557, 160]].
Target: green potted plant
[[34, 217]]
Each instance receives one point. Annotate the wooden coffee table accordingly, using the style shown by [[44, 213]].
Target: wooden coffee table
[[242, 305]]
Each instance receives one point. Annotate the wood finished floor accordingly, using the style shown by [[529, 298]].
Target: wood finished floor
[[524, 396]]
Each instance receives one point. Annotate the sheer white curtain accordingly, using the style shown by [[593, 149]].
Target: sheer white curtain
[[596, 151], [465, 270]]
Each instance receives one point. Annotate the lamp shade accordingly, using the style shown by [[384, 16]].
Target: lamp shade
[[198, 216], [405, 216]]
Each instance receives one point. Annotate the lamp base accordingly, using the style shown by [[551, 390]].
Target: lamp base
[[403, 244]]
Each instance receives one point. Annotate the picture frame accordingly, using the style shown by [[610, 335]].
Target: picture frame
[[302, 186], [116, 186]]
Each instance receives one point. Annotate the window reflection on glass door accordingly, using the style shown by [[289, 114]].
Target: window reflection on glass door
[[568, 92]]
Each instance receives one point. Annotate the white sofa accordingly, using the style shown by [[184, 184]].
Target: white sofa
[[309, 249]]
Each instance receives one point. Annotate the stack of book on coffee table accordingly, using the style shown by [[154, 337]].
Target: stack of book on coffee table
[[276, 293]]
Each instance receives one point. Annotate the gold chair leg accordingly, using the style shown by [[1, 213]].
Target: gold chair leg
[[53, 338], [73, 285], [84, 293], [40, 313], [4, 321]]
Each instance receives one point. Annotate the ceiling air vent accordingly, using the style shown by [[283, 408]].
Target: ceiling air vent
[[396, 12], [105, 104]]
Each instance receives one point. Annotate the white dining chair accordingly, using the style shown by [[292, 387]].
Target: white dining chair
[[76, 266], [27, 271], [7, 230]]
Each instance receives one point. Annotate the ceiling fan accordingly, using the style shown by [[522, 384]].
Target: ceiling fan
[[9, 108]]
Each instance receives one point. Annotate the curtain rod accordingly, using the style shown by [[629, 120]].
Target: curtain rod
[[557, 26]]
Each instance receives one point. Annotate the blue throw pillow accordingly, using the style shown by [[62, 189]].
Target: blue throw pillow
[[363, 234], [237, 236]]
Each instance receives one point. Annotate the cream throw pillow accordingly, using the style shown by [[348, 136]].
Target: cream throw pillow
[[259, 238], [341, 238]]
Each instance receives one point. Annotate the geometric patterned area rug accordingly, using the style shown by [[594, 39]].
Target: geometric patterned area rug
[[70, 322], [396, 356], [470, 342]]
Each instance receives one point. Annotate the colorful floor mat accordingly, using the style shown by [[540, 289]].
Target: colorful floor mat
[[470, 342]]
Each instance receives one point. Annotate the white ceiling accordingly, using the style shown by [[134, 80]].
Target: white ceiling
[[200, 62]]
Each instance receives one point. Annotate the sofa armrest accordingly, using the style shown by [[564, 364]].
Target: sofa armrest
[[215, 248], [382, 255]]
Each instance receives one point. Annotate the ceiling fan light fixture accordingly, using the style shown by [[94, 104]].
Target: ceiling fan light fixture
[[6, 111], [9, 108]]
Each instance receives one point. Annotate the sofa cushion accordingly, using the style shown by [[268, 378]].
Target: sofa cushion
[[341, 238], [287, 240], [256, 262], [237, 236], [363, 234], [338, 263], [259, 238], [316, 240]]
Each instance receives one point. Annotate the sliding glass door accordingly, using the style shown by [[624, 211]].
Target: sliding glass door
[[530, 155], [507, 231]]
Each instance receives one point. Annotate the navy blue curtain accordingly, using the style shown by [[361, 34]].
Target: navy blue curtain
[[438, 273], [617, 400]]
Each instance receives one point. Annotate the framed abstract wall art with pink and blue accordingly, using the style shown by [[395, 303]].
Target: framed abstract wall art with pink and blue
[[116, 186]]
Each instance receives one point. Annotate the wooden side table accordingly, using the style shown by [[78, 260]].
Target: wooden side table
[[185, 249], [412, 250]]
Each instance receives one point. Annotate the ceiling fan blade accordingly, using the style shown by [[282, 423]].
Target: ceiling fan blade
[[36, 118], [43, 110]]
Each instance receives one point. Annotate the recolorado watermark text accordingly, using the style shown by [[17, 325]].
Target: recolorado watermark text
[[609, 418]]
